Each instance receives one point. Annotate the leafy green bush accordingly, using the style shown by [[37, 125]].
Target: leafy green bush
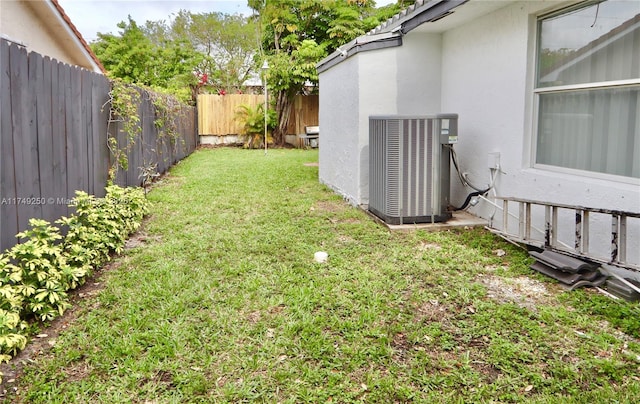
[[37, 273], [252, 120], [37, 264], [11, 339], [11, 325], [100, 226]]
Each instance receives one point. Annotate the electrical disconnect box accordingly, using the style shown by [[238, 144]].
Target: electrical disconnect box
[[409, 167]]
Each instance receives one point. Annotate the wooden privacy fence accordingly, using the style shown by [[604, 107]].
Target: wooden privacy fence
[[54, 130], [216, 113]]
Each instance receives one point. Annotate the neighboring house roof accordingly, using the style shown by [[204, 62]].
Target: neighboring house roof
[[56, 23]]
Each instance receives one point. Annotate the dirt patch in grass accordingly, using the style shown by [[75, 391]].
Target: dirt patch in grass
[[329, 206], [77, 371], [162, 378], [138, 240], [432, 310], [487, 370], [426, 246], [343, 239], [522, 291], [400, 347], [254, 317]]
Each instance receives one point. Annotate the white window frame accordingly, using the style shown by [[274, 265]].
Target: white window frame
[[538, 91]]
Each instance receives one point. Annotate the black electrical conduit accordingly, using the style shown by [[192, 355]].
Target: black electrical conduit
[[477, 191], [469, 197]]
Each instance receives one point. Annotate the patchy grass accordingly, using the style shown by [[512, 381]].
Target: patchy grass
[[221, 301]]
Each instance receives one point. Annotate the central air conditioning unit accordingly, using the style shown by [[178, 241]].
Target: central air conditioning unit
[[409, 167]]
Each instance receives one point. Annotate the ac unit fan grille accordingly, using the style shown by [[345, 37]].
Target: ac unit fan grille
[[405, 166]]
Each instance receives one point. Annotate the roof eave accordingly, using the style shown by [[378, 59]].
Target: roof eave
[[360, 44], [436, 11], [389, 34], [56, 9]]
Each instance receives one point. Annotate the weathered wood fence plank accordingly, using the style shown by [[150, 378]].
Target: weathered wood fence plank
[[8, 210], [76, 135], [59, 75], [46, 156], [100, 115], [25, 138], [54, 130]]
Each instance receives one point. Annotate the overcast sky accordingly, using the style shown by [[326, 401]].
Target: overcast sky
[[93, 16]]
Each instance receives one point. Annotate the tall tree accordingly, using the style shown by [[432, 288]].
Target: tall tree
[[127, 55], [296, 34], [228, 41], [134, 57], [215, 46]]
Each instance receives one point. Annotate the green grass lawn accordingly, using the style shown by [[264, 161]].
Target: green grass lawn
[[224, 303]]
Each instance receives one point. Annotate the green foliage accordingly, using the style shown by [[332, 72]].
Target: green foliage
[[124, 100], [124, 103], [167, 111], [128, 56], [346, 25], [252, 120], [227, 43], [11, 325], [40, 270], [11, 341], [100, 226], [126, 206], [166, 55], [37, 273], [134, 58], [298, 34], [289, 73]]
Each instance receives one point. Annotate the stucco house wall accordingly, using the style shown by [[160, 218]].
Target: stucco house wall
[[486, 70], [386, 81], [495, 101], [483, 69], [340, 141], [43, 27]]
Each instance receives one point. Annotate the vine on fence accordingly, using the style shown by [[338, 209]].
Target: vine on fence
[[166, 111], [124, 100]]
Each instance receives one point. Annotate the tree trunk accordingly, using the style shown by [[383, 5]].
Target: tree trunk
[[283, 111]]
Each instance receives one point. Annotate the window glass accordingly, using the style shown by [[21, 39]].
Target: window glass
[[596, 43], [592, 130], [592, 122]]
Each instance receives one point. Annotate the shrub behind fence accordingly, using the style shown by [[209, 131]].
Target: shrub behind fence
[[54, 130]]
